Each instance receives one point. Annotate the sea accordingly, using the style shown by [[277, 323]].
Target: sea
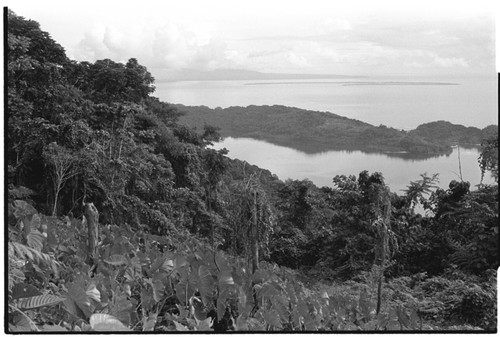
[[399, 102]]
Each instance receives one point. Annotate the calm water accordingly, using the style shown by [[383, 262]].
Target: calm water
[[405, 105], [469, 101], [321, 168]]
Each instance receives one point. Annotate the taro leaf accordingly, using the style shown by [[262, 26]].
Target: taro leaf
[[255, 325], [145, 260], [22, 323], [35, 239], [221, 262], [93, 293], [158, 289], [242, 301], [53, 328], [225, 279], [73, 309], [147, 298], [183, 313], [241, 324], [180, 327], [415, 318], [280, 304], [370, 326], [382, 320], [148, 323], [204, 325], [272, 318], [180, 261], [157, 263], [21, 290], [260, 276], [364, 304], [403, 317], [121, 308], [200, 312], [205, 284], [304, 312], [291, 293], [267, 291], [23, 209], [192, 283], [221, 303], [184, 291], [116, 260], [39, 301], [80, 298], [35, 221], [167, 266], [134, 269], [105, 322]]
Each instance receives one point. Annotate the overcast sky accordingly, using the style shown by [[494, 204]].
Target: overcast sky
[[364, 38]]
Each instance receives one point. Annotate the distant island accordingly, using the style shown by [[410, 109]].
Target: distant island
[[239, 74], [352, 83], [315, 131]]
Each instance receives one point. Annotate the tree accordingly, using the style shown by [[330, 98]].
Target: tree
[[387, 242], [63, 168], [488, 160], [250, 219]]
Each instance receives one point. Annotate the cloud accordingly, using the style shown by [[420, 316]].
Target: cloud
[[450, 62], [171, 46]]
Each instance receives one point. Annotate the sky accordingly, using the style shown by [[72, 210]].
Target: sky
[[439, 38]]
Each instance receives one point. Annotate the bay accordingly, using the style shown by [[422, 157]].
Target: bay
[[399, 102], [320, 168]]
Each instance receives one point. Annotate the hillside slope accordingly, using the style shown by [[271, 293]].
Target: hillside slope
[[315, 131]]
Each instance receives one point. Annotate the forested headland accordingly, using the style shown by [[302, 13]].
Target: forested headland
[[120, 218], [315, 131]]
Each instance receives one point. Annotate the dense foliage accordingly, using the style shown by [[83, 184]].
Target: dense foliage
[[323, 131], [187, 239]]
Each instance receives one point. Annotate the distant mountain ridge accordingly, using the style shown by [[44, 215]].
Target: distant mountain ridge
[[238, 74], [315, 131]]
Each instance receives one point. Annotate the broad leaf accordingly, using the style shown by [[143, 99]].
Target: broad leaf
[[93, 293], [147, 299], [24, 290], [35, 240], [204, 325], [116, 260], [225, 279], [272, 318], [121, 308], [78, 295], [157, 263], [23, 209], [206, 284], [148, 323], [104, 322], [53, 328], [180, 327]]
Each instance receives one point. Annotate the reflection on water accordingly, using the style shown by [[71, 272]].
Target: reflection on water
[[320, 168]]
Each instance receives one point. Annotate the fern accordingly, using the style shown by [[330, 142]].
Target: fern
[[39, 301]]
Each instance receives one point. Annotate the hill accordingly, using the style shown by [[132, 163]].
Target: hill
[[453, 134], [315, 131]]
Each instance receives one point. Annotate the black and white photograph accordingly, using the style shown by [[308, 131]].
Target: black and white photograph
[[250, 166]]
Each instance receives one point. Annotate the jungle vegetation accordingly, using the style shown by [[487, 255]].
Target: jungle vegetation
[[120, 218]]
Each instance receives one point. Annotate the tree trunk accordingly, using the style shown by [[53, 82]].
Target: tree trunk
[[56, 196], [92, 215], [255, 235], [379, 291]]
